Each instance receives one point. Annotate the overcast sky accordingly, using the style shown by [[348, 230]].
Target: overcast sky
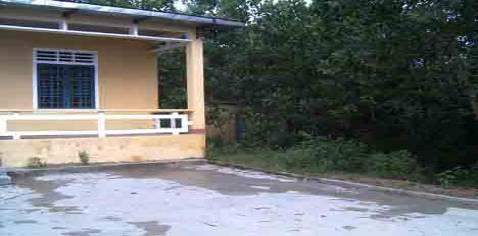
[[180, 6]]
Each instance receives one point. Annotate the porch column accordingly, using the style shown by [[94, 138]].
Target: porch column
[[195, 84]]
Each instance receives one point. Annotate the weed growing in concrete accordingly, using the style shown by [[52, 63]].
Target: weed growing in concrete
[[84, 157], [36, 162]]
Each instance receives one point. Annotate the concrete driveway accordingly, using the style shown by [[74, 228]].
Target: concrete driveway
[[201, 199]]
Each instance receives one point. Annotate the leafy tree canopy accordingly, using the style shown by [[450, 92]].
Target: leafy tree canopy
[[397, 74]]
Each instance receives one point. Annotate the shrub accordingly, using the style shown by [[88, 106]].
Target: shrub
[[84, 157], [344, 155], [398, 165], [322, 154], [301, 158], [459, 176], [36, 162]]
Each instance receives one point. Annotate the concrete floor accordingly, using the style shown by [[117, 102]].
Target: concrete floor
[[201, 199]]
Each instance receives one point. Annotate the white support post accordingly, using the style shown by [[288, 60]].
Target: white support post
[[157, 123], [3, 125], [16, 136], [101, 125], [64, 24], [185, 123], [134, 29], [173, 123]]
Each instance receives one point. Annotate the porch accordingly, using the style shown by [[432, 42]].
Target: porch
[[83, 78]]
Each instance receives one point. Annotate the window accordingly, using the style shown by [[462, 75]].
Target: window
[[65, 79]]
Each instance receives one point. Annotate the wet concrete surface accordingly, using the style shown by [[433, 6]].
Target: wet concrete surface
[[202, 199]]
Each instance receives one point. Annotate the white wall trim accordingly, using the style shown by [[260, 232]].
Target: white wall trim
[[93, 34]]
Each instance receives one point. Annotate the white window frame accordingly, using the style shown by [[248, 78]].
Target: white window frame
[[35, 76]]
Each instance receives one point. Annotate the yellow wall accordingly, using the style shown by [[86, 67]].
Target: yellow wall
[[127, 80], [16, 153], [127, 69]]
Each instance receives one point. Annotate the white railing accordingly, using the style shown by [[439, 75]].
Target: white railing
[[171, 123]]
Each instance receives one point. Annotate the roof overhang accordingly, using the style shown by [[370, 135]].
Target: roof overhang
[[71, 7]]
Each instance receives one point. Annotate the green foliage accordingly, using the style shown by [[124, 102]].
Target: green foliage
[[394, 74], [322, 155], [328, 155], [459, 176], [397, 165], [84, 157], [36, 162], [172, 80]]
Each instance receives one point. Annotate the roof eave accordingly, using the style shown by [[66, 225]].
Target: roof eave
[[82, 7]]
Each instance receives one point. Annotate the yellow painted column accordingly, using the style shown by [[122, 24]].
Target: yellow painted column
[[195, 84]]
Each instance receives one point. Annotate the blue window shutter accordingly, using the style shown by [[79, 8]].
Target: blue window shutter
[[66, 86]]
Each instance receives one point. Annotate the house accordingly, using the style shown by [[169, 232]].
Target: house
[[78, 78]]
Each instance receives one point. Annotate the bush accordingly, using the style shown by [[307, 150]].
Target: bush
[[36, 162], [342, 155], [84, 157], [397, 165], [323, 155], [320, 155], [459, 176]]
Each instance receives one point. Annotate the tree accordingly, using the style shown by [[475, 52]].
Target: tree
[[397, 74]]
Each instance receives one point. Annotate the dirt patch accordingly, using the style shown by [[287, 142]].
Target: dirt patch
[[137, 158]]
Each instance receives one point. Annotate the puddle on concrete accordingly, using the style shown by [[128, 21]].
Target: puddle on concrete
[[152, 227], [226, 181], [48, 195], [111, 218], [83, 232], [25, 222]]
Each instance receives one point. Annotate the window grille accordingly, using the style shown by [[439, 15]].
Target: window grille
[[65, 57]]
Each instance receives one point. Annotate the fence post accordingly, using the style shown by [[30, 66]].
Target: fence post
[[15, 136], [157, 123], [185, 123], [3, 125], [173, 123], [101, 125]]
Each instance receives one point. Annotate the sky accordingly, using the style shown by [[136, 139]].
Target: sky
[[182, 7]]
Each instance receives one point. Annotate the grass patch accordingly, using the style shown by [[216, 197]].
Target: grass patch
[[326, 157], [84, 157], [36, 163]]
